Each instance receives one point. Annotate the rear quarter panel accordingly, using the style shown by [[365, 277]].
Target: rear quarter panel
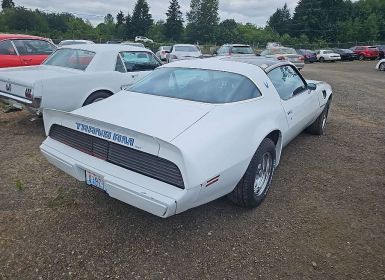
[[69, 93]]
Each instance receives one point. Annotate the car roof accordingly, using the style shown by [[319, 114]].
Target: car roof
[[4, 36], [236, 45], [105, 47], [228, 64], [184, 45], [75, 40]]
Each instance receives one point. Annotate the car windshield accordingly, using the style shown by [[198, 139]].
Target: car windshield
[[199, 85], [71, 58], [186, 49], [66, 43], [167, 48], [242, 50], [283, 51]]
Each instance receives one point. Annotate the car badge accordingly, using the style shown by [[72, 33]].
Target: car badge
[[266, 84], [8, 87]]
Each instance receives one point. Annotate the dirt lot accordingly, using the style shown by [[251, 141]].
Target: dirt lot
[[323, 219]]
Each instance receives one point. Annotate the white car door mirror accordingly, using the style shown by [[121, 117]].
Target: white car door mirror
[[311, 86]]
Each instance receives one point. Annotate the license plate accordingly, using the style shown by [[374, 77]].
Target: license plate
[[94, 180]]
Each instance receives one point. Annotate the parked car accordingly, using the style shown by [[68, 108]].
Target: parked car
[[366, 52], [346, 54], [74, 42], [162, 52], [133, 44], [183, 52], [309, 56], [143, 39], [327, 55], [144, 146], [75, 76], [381, 65], [23, 50], [284, 53], [381, 51], [235, 49], [114, 42]]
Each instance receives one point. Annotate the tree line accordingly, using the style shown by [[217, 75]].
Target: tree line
[[311, 21]]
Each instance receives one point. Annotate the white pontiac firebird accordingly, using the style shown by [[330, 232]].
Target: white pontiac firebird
[[189, 132], [76, 75]]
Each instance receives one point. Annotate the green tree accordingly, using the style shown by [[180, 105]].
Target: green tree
[[227, 32], [7, 4], [202, 20], [120, 18], [174, 22], [141, 21], [280, 21]]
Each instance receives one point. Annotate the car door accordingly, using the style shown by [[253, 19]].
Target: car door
[[299, 103], [8, 55], [32, 51], [135, 65]]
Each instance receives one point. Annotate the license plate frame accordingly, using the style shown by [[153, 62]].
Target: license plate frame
[[94, 180]]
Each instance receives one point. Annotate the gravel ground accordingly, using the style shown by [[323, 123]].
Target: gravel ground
[[323, 219]]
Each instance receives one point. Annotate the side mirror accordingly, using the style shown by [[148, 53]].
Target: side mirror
[[311, 86]]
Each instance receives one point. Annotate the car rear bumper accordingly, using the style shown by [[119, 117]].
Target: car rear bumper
[[19, 102], [145, 193]]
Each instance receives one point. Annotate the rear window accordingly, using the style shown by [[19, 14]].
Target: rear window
[[242, 50], [33, 47], [139, 61], [71, 58], [185, 49], [199, 85]]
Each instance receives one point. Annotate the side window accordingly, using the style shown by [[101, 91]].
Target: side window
[[119, 65], [286, 81], [7, 48], [33, 47], [139, 61]]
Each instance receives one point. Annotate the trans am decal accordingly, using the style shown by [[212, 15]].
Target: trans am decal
[[108, 135]]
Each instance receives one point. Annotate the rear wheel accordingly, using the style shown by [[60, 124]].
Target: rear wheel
[[255, 183], [361, 57], [97, 96], [321, 59], [382, 66]]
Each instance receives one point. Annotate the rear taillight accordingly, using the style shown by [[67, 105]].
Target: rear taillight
[[301, 58], [28, 93]]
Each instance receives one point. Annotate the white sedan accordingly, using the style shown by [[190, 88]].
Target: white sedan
[[188, 133], [381, 65], [327, 55], [75, 76]]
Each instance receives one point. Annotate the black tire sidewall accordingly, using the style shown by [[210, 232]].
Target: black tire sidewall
[[266, 145], [96, 95]]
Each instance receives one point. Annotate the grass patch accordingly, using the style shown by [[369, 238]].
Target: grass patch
[[19, 185]]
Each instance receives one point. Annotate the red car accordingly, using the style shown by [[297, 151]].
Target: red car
[[23, 50], [368, 52]]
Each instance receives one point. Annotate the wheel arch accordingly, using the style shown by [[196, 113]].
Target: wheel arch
[[110, 92], [276, 137]]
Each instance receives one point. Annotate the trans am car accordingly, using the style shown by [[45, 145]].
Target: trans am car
[[75, 76], [189, 132]]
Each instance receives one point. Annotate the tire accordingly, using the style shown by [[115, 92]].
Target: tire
[[318, 126], [381, 67], [361, 57], [97, 96], [245, 193], [321, 59]]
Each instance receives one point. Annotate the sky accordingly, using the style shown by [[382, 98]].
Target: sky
[[253, 11]]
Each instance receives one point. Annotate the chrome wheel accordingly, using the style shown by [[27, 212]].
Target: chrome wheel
[[382, 66], [324, 117], [264, 170]]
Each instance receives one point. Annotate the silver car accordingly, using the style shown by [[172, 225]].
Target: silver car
[[286, 54], [183, 52]]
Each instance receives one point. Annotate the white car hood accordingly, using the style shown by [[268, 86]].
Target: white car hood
[[28, 75], [160, 117]]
